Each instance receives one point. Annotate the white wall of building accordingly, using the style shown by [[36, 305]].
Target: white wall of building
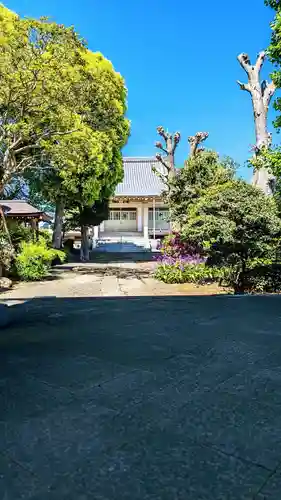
[[143, 225]]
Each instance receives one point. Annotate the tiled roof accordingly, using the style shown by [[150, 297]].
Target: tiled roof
[[139, 180], [21, 208]]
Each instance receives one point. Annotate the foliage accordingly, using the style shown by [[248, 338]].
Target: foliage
[[34, 260], [15, 190], [19, 233], [45, 235], [86, 216], [175, 246], [184, 271], [274, 53], [41, 91], [84, 164], [270, 159], [274, 4], [235, 223], [85, 167], [264, 278], [204, 170]]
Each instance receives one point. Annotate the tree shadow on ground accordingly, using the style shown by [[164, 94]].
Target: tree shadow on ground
[[187, 384], [173, 313]]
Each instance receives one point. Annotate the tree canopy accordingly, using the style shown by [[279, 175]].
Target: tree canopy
[[40, 89], [236, 223], [199, 173], [62, 114]]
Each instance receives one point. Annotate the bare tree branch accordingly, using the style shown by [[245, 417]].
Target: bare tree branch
[[160, 158], [26, 148], [176, 140], [161, 131], [260, 60], [171, 142], [244, 61], [195, 140], [244, 86], [160, 146]]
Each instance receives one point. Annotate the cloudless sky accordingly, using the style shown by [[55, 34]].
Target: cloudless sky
[[178, 59]]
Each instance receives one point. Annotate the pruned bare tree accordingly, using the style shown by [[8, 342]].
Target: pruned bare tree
[[261, 94], [171, 142], [195, 141]]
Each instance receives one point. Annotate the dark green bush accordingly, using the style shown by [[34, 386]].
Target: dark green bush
[[264, 279], [260, 278], [19, 233]]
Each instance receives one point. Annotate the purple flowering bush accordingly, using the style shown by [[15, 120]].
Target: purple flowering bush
[[181, 262], [175, 246]]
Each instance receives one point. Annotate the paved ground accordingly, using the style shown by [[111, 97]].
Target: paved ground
[[136, 396]]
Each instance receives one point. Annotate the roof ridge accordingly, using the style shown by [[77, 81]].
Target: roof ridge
[[139, 158]]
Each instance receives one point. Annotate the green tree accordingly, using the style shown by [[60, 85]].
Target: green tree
[[84, 171], [236, 223], [84, 168], [200, 172], [62, 115], [41, 83]]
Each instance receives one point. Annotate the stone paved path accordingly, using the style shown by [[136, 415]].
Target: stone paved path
[[98, 280], [115, 387]]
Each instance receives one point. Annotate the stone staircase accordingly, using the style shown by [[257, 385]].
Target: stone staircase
[[124, 244]]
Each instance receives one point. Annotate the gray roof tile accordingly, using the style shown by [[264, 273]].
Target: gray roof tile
[[21, 208], [139, 180]]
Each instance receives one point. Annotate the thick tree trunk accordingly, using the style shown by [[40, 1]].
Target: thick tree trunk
[[261, 176], [85, 252], [261, 94], [58, 225]]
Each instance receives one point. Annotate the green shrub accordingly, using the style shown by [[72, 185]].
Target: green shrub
[[34, 260], [20, 233], [264, 278], [189, 273], [261, 277], [47, 236]]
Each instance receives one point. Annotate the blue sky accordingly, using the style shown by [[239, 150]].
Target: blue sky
[[179, 63]]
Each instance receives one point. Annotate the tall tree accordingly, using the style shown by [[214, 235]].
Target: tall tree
[[62, 115], [41, 79], [91, 172], [85, 167], [261, 92]]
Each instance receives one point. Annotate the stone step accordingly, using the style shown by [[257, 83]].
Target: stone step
[[115, 245]]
